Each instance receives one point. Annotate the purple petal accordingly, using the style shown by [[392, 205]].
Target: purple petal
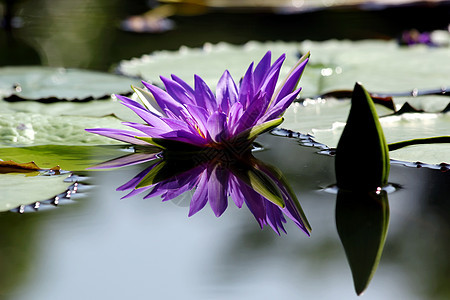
[[276, 66], [119, 134], [199, 118], [235, 114], [164, 100], [253, 112], [176, 124], [247, 87], [217, 190], [177, 92], [147, 130], [176, 185], [129, 160], [274, 217], [137, 191], [226, 92], [270, 82], [255, 203], [235, 191], [200, 196], [156, 191], [217, 127], [203, 95], [136, 179], [186, 86], [262, 69], [279, 108], [185, 137], [149, 117], [292, 81]]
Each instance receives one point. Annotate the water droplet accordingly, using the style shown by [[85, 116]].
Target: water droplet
[[326, 72], [17, 87]]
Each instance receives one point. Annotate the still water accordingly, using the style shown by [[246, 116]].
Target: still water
[[97, 246]]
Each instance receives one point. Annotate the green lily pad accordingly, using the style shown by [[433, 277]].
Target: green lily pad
[[73, 158], [382, 66], [211, 61], [27, 129], [325, 120], [36, 83], [100, 108], [15, 189]]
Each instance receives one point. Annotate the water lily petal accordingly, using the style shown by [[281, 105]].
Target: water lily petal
[[185, 137], [274, 217], [203, 95], [136, 192], [186, 86], [149, 117], [198, 118], [164, 100], [261, 70], [217, 127], [253, 112], [200, 196], [148, 101], [255, 203], [291, 81], [273, 72], [235, 114], [270, 83], [234, 188], [131, 184], [217, 190], [247, 88], [128, 160], [226, 92], [177, 92], [119, 134], [148, 130], [280, 107]]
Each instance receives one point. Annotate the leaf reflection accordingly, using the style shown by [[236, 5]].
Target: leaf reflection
[[362, 220], [215, 176]]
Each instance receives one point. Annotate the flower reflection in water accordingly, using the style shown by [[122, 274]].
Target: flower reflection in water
[[215, 176]]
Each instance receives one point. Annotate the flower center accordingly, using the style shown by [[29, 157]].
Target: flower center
[[199, 131]]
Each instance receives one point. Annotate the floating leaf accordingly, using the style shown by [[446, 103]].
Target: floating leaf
[[27, 129], [19, 189], [41, 83], [383, 66], [362, 155], [325, 120], [211, 61], [100, 108], [73, 158]]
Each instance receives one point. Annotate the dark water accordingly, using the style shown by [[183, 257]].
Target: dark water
[[97, 246]]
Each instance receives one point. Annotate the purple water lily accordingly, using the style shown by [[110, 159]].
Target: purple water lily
[[182, 115], [260, 186]]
